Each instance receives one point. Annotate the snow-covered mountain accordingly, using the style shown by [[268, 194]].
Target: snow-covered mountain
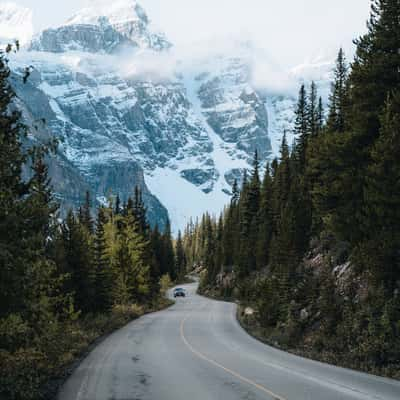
[[183, 135], [15, 23], [102, 28]]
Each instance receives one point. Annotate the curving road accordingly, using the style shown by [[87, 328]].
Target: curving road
[[196, 350]]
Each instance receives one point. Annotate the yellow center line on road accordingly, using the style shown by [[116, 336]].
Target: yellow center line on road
[[228, 370]]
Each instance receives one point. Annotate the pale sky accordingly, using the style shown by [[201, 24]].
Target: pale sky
[[292, 31]]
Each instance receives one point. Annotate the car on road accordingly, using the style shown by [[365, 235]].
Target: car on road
[[179, 292]]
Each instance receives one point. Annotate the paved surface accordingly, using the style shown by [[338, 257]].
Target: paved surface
[[196, 350]]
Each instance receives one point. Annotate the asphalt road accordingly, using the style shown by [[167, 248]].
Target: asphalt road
[[196, 350]]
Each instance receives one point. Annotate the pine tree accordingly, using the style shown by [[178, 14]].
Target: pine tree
[[44, 302], [375, 70], [85, 216], [40, 204], [301, 127], [338, 100], [139, 210], [180, 258], [282, 177], [168, 258], [117, 208], [301, 121], [320, 116], [209, 251], [230, 235], [133, 269], [381, 220], [265, 219], [219, 252], [12, 193], [249, 209], [104, 277], [312, 112], [156, 261], [79, 262], [235, 192], [252, 200]]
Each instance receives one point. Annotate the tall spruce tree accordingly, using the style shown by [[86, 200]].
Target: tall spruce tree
[[312, 111], [168, 258], [382, 199], [180, 258], [320, 116], [85, 215], [209, 251], [231, 229], [133, 267], [249, 209], [104, 275], [117, 208], [301, 128], [139, 210], [339, 97], [266, 227], [219, 252], [375, 70], [12, 193], [79, 262]]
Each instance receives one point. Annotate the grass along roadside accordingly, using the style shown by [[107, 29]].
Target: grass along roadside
[[37, 371]]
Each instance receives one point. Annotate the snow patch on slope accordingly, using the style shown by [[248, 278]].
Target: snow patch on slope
[[183, 199], [280, 120], [116, 11]]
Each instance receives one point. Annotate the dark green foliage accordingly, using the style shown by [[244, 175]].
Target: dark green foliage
[[139, 210], [103, 273], [12, 198], [320, 116], [313, 117], [381, 217], [302, 128], [314, 249], [167, 258], [339, 98], [117, 208], [266, 222], [249, 206], [209, 256], [85, 217], [62, 284], [79, 261], [180, 257], [375, 70]]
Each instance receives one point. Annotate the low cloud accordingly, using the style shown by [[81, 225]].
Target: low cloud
[[265, 74]]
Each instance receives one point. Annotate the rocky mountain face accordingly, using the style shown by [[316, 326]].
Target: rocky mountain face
[[183, 139], [102, 29]]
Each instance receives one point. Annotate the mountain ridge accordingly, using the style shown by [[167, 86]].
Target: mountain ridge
[[196, 129]]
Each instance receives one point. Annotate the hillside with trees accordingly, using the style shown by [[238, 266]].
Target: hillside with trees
[[64, 283], [312, 241]]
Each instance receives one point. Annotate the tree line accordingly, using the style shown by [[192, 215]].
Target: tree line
[[312, 241], [64, 282]]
